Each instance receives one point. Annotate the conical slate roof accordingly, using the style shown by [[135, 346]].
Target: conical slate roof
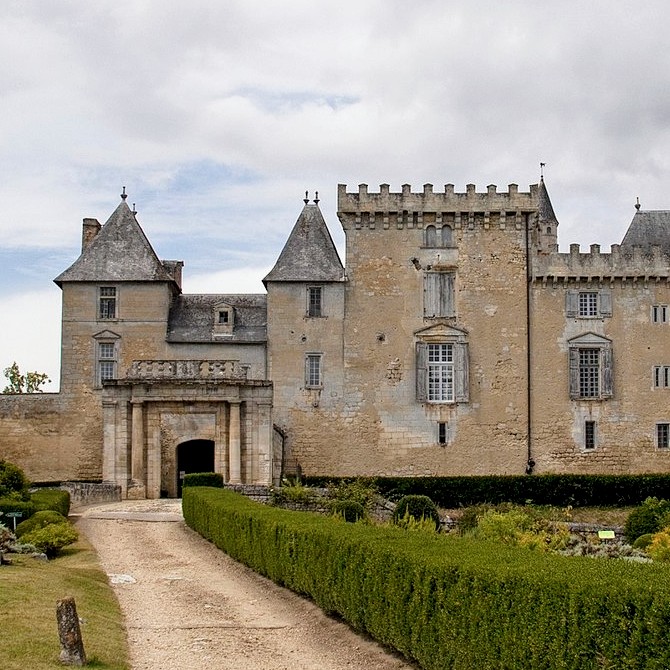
[[309, 253], [545, 209], [648, 229], [119, 252]]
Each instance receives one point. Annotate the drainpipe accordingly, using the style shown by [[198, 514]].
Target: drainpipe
[[530, 463]]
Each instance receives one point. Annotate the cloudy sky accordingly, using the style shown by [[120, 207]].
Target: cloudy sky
[[217, 115]]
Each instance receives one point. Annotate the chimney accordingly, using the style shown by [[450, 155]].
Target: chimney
[[90, 229]]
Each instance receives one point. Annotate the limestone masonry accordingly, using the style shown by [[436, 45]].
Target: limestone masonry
[[456, 340]]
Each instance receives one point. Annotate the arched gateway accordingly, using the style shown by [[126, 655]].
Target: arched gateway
[[158, 418]]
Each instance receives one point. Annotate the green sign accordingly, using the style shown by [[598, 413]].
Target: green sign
[[606, 534]]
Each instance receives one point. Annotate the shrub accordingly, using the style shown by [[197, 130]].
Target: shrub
[[417, 507], [13, 483], [659, 547], [470, 517], [6, 538], [51, 499], [643, 541], [8, 505], [647, 518], [293, 492], [349, 510], [203, 479], [361, 490], [52, 538], [39, 520]]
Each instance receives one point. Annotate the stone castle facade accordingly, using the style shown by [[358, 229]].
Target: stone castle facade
[[456, 340]]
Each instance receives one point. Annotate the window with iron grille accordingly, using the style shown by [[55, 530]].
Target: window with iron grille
[[589, 373], [663, 435], [313, 372], [588, 303], [440, 373], [662, 376], [589, 435], [107, 302], [315, 301]]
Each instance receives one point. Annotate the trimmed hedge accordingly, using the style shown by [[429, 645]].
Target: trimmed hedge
[[559, 490], [39, 520], [57, 500], [449, 602], [214, 479], [7, 505]]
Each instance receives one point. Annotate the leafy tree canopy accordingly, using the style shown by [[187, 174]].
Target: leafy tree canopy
[[31, 382]]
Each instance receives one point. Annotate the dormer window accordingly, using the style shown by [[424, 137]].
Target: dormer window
[[224, 317]]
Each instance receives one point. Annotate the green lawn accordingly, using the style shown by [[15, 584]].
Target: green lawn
[[29, 590]]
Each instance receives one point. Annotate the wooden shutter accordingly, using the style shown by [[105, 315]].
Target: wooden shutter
[[605, 302], [446, 294], [607, 372], [421, 371], [461, 373], [574, 373], [572, 304], [431, 292]]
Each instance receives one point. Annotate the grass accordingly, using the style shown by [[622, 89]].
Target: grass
[[29, 590]]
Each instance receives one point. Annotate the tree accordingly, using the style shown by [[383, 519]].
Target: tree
[[28, 383]]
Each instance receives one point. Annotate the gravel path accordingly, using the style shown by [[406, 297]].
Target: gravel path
[[188, 606]]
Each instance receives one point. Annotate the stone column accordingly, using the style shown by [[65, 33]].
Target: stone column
[[264, 451], [137, 488], [109, 441], [235, 446]]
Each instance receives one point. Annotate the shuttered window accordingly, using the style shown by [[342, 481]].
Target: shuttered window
[[588, 304], [442, 372], [591, 374], [438, 298]]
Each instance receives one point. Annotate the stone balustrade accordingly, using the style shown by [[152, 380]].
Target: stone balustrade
[[186, 370]]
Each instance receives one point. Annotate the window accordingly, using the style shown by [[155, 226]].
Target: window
[[106, 361], [224, 317], [589, 434], [438, 237], [438, 294], [107, 302], [588, 304], [659, 314], [591, 373], [662, 376], [663, 435], [442, 365], [441, 433], [314, 301], [313, 372]]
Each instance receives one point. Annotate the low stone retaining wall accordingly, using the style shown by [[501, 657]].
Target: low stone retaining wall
[[89, 493]]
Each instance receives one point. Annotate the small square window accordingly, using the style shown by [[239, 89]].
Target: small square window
[[663, 435], [224, 316], [588, 303]]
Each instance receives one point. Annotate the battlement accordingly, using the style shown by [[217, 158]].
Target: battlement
[[430, 201], [627, 263]]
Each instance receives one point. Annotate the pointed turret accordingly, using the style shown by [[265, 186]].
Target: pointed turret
[[309, 254], [648, 229], [120, 251], [545, 212]]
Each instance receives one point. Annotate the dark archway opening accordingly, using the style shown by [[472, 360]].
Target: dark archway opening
[[194, 456]]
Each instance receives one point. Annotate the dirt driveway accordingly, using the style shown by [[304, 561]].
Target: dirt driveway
[[188, 606]]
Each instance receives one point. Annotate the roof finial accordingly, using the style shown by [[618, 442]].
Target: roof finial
[[316, 199], [542, 170], [306, 199], [637, 204], [134, 210], [124, 195]]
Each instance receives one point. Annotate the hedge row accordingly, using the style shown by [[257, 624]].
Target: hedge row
[[450, 602], [203, 479], [42, 499], [559, 490]]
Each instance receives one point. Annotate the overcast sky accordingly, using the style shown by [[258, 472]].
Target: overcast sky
[[218, 115]]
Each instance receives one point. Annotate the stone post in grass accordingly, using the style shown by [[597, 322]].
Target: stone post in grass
[[72, 646]]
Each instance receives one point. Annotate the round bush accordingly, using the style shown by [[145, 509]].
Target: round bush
[[647, 518], [52, 538], [350, 510], [13, 482], [39, 520], [418, 507]]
